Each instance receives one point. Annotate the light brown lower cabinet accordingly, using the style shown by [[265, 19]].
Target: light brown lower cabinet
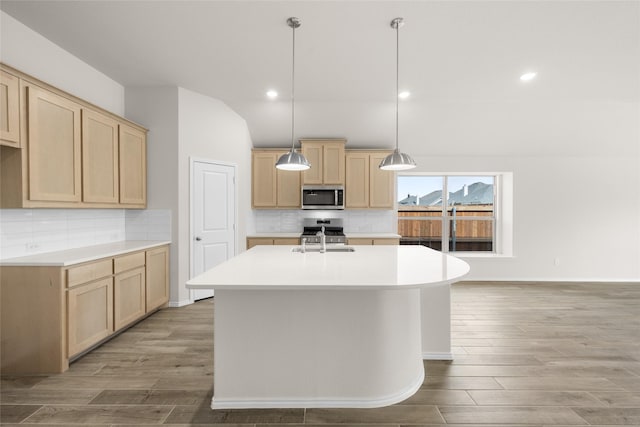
[[157, 271], [255, 241], [367, 241], [128, 297], [51, 315], [90, 314]]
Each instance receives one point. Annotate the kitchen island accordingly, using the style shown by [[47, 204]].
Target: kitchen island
[[334, 329]]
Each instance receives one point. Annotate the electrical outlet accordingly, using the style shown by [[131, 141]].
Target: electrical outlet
[[31, 246], [556, 261]]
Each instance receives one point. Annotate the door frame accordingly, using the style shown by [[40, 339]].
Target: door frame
[[192, 161]]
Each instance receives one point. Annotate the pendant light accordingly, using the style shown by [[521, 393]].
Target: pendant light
[[397, 161], [293, 161]]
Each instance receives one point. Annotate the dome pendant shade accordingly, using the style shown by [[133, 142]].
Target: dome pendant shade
[[397, 161], [292, 161]]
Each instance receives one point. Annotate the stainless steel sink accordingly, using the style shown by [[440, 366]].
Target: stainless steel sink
[[329, 249]]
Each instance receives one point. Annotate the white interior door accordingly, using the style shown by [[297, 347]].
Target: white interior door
[[213, 218]]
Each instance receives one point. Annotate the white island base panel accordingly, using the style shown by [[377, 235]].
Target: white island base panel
[[316, 348]]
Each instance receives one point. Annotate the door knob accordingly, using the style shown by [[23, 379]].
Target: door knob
[[198, 239]]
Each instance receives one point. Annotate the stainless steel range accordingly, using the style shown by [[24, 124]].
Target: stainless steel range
[[333, 230]]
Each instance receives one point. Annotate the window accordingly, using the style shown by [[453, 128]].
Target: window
[[451, 213]]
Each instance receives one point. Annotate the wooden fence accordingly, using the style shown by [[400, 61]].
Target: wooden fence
[[469, 229]]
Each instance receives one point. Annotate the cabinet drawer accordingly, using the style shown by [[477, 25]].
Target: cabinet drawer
[[128, 262], [88, 272]]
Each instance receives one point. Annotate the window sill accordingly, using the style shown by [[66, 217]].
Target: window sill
[[479, 255]]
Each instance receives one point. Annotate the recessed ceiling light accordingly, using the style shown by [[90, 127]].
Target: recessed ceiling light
[[527, 76], [272, 94], [404, 94]]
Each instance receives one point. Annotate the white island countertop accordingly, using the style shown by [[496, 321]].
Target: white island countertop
[[368, 267]]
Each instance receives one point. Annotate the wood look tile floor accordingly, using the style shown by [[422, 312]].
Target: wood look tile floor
[[535, 354]]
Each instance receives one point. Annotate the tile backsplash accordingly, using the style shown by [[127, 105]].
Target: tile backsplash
[[355, 221], [31, 231], [149, 224]]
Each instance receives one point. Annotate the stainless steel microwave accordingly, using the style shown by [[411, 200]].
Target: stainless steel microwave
[[322, 197]]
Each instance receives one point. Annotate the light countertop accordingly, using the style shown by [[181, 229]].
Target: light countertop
[[369, 267], [275, 235], [372, 235], [80, 255], [359, 235]]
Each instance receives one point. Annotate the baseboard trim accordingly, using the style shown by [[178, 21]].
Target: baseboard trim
[[409, 391], [179, 303], [533, 281], [439, 355]]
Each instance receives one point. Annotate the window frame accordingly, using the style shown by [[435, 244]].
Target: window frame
[[501, 218]]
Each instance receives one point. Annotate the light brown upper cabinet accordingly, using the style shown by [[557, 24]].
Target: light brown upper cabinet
[[100, 181], [367, 186], [53, 147], [9, 109], [326, 157], [271, 187], [133, 166], [70, 154]]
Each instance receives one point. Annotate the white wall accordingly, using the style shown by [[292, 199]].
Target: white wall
[[157, 108], [24, 49], [208, 129], [185, 124], [584, 211]]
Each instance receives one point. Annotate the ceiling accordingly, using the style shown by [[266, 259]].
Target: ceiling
[[460, 59]]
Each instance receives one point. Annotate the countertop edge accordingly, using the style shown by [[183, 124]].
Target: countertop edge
[[81, 255], [361, 235], [218, 278]]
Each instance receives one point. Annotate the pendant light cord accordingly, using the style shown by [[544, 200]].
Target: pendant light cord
[[397, 78], [293, 78]]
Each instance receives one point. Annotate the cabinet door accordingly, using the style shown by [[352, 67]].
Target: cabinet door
[[286, 241], [333, 163], [288, 191], [313, 152], [133, 166], [264, 179], [100, 182], [255, 241], [157, 272], [359, 241], [389, 241], [9, 110], [128, 297], [381, 183], [357, 180], [90, 314], [54, 147]]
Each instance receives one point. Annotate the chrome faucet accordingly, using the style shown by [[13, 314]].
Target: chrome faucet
[[323, 240], [303, 245]]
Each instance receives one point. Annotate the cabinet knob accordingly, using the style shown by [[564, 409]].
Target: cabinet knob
[[198, 239]]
